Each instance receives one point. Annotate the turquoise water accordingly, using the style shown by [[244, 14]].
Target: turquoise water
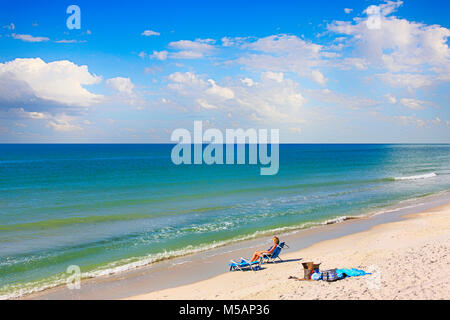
[[109, 208]]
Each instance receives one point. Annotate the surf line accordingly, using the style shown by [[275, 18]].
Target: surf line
[[256, 140]]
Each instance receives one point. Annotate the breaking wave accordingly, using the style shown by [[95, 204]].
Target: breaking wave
[[416, 177]]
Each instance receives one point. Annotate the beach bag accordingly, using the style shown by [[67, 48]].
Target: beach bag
[[330, 275]]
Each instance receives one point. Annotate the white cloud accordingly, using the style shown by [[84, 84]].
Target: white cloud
[[58, 122], [417, 122], [276, 76], [284, 43], [414, 103], [187, 77], [247, 81], [29, 38], [236, 41], [318, 77], [408, 120], [350, 63], [70, 41], [160, 55], [197, 45], [61, 82], [20, 113], [352, 102], [408, 80], [149, 33], [285, 53], [63, 123], [348, 10], [121, 85], [391, 99], [187, 55], [204, 104], [191, 49], [398, 45], [125, 91], [223, 92], [388, 7], [274, 99]]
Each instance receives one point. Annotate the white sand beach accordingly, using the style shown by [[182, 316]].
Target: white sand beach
[[408, 259]]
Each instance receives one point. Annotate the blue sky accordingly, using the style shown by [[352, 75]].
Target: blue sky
[[320, 71]]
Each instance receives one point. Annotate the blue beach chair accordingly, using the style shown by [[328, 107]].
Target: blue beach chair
[[270, 257], [245, 265]]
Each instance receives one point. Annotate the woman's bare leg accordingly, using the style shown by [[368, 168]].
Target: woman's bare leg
[[256, 256]]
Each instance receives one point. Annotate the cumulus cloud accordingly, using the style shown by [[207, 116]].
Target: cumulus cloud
[[190, 84], [285, 53], [62, 82], [223, 92], [121, 85], [406, 49], [125, 90], [273, 99]]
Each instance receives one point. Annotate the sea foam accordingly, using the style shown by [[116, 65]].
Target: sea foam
[[416, 177]]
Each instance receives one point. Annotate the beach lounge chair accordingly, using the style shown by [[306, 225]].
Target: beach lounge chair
[[275, 254], [245, 265]]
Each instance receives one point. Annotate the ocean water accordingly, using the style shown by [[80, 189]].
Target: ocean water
[[109, 208]]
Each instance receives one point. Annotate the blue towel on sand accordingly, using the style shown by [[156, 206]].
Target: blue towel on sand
[[353, 272]]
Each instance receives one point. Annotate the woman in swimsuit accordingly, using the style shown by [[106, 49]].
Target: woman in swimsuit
[[260, 254]]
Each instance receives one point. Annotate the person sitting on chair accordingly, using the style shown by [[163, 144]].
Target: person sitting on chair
[[260, 254]]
